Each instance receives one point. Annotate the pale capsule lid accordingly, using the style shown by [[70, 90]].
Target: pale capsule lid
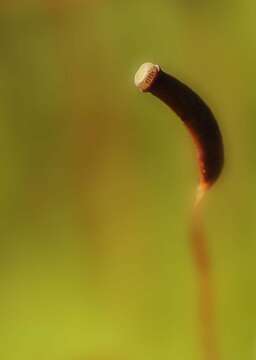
[[146, 75]]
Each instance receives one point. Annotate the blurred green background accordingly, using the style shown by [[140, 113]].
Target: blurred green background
[[97, 180]]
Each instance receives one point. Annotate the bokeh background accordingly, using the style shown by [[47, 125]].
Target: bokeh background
[[97, 180]]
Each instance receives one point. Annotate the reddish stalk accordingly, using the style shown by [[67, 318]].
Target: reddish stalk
[[202, 125], [206, 298]]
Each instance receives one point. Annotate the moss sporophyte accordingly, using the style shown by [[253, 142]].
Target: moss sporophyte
[[202, 125]]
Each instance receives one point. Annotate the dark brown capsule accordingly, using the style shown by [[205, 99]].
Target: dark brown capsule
[[194, 113]]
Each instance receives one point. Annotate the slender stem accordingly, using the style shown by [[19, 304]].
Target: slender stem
[[206, 302]]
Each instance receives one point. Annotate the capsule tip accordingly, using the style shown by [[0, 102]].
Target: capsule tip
[[146, 75]]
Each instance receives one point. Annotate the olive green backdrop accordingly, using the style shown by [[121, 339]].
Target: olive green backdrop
[[97, 180]]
